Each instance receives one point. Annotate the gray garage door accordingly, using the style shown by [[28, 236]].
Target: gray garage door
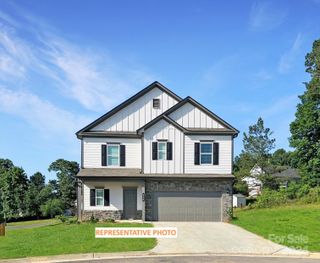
[[187, 206]]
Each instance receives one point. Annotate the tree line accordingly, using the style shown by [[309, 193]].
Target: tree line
[[304, 140], [23, 197]]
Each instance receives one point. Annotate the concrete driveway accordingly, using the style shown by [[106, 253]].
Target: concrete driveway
[[217, 238]]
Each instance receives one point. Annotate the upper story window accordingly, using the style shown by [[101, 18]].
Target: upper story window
[[162, 150], [206, 153], [156, 103], [113, 154], [99, 197]]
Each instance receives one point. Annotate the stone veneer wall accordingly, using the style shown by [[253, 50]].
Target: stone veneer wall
[[216, 185], [109, 214]]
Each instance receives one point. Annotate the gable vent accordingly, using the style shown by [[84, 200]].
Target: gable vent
[[156, 103]]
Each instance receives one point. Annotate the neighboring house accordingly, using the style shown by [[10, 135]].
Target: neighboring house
[[253, 182], [239, 200], [283, 174], [157, 156], [286, 176]]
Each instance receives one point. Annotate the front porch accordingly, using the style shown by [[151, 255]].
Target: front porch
[[111, 199]]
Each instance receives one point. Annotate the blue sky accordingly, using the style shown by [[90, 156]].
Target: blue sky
[[65, 63]]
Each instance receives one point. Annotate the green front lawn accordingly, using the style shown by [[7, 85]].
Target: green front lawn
[[32, 222], [296, 226], [68, 239]]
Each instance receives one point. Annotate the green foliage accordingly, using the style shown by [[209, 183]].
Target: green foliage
[[271, 198], [269, 182], [93, 220], [305, 129], [52, 208], [258, 142], [240, 187], [66, 172], [14, 184], [34, 195], [313, 196], [281, 158]]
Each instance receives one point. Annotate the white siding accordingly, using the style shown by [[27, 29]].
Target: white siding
[[92, 152], [138, 113], [163, 130], [190, 116], [225, 155], [116, 194]]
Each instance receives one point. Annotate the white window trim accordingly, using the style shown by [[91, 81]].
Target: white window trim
[[96, 197], [113, 144], [165, 151], [206, 153]]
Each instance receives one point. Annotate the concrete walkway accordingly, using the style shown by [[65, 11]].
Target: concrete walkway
[[218, 238]]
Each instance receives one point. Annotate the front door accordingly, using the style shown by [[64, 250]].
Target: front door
[[129, 203]]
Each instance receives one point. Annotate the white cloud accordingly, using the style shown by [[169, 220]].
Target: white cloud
[[280, 106], [40, 114], [288, 59], [89, 77], [265, 16]]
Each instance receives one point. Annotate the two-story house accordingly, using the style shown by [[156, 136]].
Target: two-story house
[[154, 157]]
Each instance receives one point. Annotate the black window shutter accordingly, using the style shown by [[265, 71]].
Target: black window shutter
[[122, 155], [216, 153], [169, 150], [196, 153], [106, 197], [92, 197], [154, 151], [103, 155]]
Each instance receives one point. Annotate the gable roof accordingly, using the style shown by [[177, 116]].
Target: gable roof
[[153, 85], [228, 130]]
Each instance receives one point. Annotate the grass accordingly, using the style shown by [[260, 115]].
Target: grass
[[68, 239], [31, 222], [296, 226]]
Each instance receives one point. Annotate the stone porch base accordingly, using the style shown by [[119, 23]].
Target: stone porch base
[[109, 214]]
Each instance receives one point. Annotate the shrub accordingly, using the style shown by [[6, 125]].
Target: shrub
[[52, 208], [62, 218], [109, 220], [313, 196], [93, 220], [271, 198]]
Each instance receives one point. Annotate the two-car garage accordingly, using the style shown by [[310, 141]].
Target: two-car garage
[[186, 206]]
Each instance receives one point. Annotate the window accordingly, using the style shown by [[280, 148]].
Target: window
[[162, 150], [113, 153], [99, 197], [205, 153], [156, 103]]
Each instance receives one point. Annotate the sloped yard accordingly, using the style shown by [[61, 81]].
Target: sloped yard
[[296, 226], [68, 239]]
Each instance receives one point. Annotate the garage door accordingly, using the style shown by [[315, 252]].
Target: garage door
[[187, 206]]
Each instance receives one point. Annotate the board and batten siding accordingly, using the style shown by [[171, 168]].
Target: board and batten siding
[[162, 130], [116, 194], [92, 151], [225, 155], [138, 113], [190, 116]]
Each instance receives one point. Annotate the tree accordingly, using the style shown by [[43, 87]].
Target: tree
[[66, 172], [305, 129], [258, 142], [281, 157], [52, 208], [5, 165], [14, 184], [34, 196]]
